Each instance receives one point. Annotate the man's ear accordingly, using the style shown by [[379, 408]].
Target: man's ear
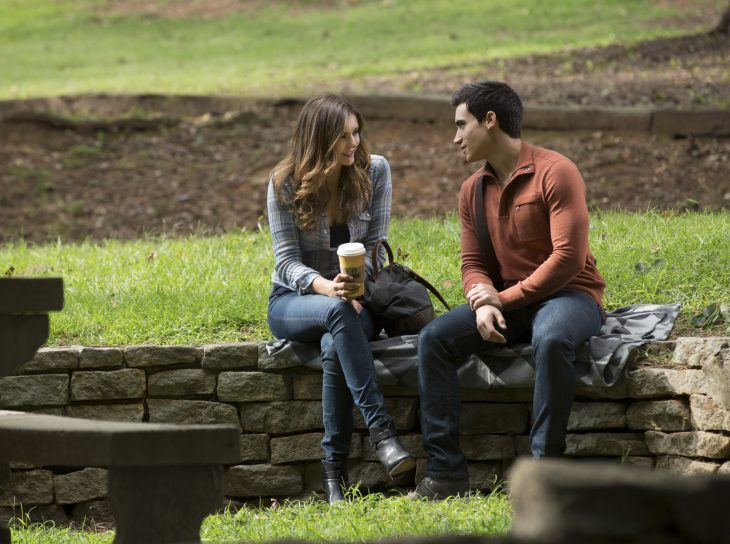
[[490, 121]]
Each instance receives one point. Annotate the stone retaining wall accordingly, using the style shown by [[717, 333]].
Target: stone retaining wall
[[670, 411], [430, 108]]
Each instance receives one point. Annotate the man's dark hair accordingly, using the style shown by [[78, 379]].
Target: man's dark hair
[[495, 96]]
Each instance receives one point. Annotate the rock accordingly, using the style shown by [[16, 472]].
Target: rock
[[587, 416], [100, 358], [180, 383], [659, 415], [281, 417], [689, 444], [107, 412], [251, 386], [191, 411], [261, 481], [150, 356], [82, 485], [40, 390], [129, 383], [708, 414]]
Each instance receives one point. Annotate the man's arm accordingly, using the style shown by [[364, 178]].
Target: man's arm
[[473, 268]]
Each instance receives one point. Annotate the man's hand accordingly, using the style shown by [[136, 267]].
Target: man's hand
[[487, 318], [481, 295]]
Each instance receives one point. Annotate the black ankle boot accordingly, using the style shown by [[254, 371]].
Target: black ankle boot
[[334, 481], [391, 452]]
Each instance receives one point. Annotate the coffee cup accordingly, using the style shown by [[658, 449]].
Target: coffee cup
[[352, 263]]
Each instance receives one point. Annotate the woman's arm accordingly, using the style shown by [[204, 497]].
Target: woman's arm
[[288, 267], [379, 209]]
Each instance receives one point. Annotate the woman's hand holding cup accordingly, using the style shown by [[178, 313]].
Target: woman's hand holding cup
[[344, 287]]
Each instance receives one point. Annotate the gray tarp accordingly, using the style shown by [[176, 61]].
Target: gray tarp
[[601, 360]]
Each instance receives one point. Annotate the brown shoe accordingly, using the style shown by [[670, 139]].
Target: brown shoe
[[437, 489]]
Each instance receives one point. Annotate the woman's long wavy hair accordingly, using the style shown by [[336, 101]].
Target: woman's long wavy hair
[[299, 179]]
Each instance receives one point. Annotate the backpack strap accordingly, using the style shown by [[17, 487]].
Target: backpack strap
[[374, 261], [420, 279], [485, 240], [423, 281]]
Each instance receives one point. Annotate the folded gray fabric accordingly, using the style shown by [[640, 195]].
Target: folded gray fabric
[[601, 360]]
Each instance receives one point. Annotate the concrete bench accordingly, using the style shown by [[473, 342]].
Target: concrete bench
[[24, 307], [163, 479]]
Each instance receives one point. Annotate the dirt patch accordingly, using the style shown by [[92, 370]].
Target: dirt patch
[[212, 174], [685, 72]]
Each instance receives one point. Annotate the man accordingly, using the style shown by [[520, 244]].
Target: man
[[537, 218]]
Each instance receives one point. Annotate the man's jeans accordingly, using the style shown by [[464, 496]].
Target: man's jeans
[[557, 326], [347, 361]]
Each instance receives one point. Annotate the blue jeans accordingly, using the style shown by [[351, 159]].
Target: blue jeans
[[556, 326], [347, 361]]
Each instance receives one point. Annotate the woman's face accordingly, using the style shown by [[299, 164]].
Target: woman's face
[[348, 142]]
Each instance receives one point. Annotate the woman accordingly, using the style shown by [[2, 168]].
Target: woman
[[326, 192]]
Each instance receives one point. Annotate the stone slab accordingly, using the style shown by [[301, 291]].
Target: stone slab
[[281, 417], [181, 383], [588, 416], [183, 411], [36, 390], [261, 481], [107, 412], [306, 447], [80, 486], [150, 356], [709, 414], [254, 448], [101, 357], [235, 356], [28, 487], [665, 382], [52, 359], [605, 444], [251, 387], [695, 352], [52, 440], [684, 466], [689, 444], [125, 384], [659, 415]]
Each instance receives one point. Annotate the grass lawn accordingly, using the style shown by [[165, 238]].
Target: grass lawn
[[371, 517], [215, 289], [54, 47]]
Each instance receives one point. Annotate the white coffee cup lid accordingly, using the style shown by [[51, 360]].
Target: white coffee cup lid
[[351, 249]]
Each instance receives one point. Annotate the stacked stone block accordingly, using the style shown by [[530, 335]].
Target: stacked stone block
[[670, 411]]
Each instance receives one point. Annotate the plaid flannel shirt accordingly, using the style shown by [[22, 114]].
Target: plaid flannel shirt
[[301, 256]]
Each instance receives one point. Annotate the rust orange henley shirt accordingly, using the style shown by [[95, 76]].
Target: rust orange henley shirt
[[539, 229]]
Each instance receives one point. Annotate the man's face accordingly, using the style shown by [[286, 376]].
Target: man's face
[[471, 135]]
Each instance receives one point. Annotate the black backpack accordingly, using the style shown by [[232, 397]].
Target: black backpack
[[398, 297]]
